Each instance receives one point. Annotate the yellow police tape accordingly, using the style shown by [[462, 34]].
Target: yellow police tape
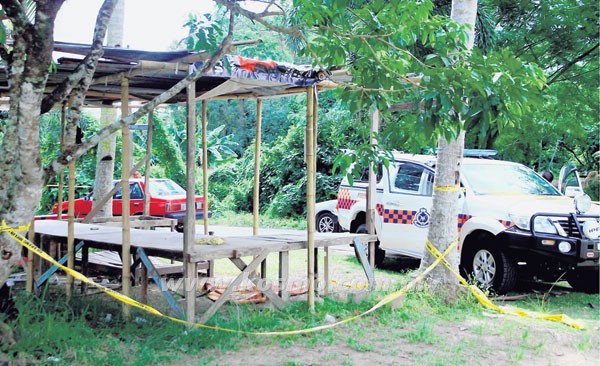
[[439, 257], [448, 188], [484, 300]]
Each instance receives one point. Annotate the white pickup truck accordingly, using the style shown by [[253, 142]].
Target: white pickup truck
[[511, 223]]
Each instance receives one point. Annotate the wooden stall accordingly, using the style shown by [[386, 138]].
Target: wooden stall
[[126, 75]]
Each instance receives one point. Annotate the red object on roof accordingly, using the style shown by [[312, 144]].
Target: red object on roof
[[250, 63]]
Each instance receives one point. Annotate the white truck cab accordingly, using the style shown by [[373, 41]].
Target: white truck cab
[[511, 222]]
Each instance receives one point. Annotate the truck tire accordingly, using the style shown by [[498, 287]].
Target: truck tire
[[379, 253], [584, 281], [327, 223], [491, 267], [179, 227]]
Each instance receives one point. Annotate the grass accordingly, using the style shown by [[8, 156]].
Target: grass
[[51, 331], [228, 218]]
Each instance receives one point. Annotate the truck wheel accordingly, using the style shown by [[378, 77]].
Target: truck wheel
[[584, 281], [179, 227], [491, 268], [379, 253], [326, 223]]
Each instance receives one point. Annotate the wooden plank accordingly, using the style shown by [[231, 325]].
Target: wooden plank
[[162, 243]]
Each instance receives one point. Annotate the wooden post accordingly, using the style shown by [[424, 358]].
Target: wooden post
[[310, 196], [71, 215], [31, 237], [61, 176], [71, 229], [125, 173], [147, 167], [256, 200], [189, 233], [205, 164], [372, 188]]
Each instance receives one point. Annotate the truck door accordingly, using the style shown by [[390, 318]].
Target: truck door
[[406, 209]]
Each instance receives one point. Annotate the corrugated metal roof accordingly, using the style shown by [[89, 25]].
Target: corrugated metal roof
[[151, 73]]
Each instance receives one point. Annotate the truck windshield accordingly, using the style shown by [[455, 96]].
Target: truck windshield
[[505, 179], [165, 187]]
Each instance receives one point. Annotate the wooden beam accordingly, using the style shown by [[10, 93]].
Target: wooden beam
[[142, 68], [126, 210]]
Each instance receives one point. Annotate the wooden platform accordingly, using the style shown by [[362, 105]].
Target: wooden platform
[[167, 244]]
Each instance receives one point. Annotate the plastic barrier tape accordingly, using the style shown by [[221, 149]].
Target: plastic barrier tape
[[448, 188], [439, 257], [484, 300]]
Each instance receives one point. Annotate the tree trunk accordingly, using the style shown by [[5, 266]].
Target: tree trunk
[[20, 161], [444, 214], [105, 153]]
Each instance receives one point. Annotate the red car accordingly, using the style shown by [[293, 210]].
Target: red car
[[167, 199]]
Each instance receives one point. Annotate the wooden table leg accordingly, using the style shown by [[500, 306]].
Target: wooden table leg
[[316, 276], [326, 270], [85, 257], [263, 269], [284, 275], [144, 289]]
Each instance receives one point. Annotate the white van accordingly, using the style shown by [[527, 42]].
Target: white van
[[512, 222]]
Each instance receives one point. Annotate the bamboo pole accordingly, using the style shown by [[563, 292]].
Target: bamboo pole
[[125, 173], [310, 197], [189, 233], [71, 218], [315, 133], [256, 199], [372, 188], [205, 165], [71, 228], [61, 176], [147, 167]]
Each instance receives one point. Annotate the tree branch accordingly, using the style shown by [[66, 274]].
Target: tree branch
[[87, 66], [570, 64], [76, 151]]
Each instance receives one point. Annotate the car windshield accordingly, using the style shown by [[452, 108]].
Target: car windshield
[[165, 187], [505, 179]]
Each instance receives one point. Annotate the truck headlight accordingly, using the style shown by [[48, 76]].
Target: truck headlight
[[583, 203], [522, 222], [543, 224]]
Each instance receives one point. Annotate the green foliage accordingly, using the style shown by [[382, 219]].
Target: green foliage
[[205, 32], [166, 146], [50, 131]]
